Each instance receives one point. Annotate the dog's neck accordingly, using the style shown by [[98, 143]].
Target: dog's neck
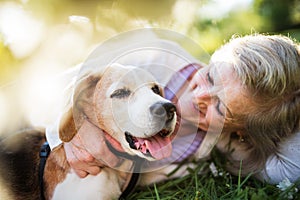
[[57, 169]]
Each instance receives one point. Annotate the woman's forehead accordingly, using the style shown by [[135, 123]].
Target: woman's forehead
[[222, 70]]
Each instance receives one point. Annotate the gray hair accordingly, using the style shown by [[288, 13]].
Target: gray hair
[[269, 68]]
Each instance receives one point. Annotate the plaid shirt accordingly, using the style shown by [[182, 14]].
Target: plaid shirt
[[187, 143], [183, 148]]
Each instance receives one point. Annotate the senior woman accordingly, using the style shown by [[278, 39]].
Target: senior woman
[[249, 92], [264, 121]]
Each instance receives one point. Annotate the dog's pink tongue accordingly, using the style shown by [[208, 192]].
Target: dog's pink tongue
[[159, 147]]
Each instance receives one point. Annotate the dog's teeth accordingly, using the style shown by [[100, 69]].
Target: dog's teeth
[[137, 145]]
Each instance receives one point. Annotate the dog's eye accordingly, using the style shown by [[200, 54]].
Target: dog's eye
[[120, 93], [156, 89]]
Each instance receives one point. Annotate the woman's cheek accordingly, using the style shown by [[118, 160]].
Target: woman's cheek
[[214, 120], [188, 112], [209, 114]]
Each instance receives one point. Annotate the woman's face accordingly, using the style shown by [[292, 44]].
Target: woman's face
[[213, 96]]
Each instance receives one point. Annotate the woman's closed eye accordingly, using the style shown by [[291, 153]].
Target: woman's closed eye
[[218, 102], [209, 78], [218, 107]]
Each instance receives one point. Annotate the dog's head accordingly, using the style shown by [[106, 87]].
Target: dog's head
[[127, 103]]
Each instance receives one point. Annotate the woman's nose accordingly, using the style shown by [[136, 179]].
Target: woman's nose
[[202, 93]]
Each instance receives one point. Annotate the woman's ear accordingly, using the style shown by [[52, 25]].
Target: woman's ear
[[241, 136], [238, 135], [67, 128]]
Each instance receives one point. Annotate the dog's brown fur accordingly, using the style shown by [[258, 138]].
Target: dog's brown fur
[[19, 164], [57, 169]]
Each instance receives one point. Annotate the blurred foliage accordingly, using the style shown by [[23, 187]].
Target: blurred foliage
[[112, 13], [279, 15], [109, 17], [215, 32], [263, 16]]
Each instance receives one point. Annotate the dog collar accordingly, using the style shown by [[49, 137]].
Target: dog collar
[[138, 162], [44, 153]]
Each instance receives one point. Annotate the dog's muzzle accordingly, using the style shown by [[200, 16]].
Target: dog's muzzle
[[165, 111], [157, 145]]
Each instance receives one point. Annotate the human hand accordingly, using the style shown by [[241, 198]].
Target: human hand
[[87, 152]]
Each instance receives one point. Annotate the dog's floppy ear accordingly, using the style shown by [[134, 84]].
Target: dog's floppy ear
[[81, 109], [83, 105], [67, 128]]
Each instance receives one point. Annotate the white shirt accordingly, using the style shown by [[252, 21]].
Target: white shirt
[[285, 163]]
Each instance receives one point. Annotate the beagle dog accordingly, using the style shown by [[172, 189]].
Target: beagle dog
[[125, 102]]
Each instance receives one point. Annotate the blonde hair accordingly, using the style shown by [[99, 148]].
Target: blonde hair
[[269, 68]]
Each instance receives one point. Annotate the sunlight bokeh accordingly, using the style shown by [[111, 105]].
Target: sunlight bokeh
[[21, 32], [41, 39]]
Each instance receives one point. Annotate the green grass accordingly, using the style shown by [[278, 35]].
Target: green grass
[[202, 184]]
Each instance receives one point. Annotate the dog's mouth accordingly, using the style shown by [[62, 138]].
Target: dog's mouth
[[157, 147]]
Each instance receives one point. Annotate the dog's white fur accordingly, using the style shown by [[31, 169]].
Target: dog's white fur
[[106, 185]]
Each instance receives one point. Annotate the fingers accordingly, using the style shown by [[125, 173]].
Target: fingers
[[103, 154], [73, 161], [81, 161], [94, 141], [87, 152], [81, 173]]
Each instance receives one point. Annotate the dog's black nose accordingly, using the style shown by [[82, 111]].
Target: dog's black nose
[[163, 110]]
